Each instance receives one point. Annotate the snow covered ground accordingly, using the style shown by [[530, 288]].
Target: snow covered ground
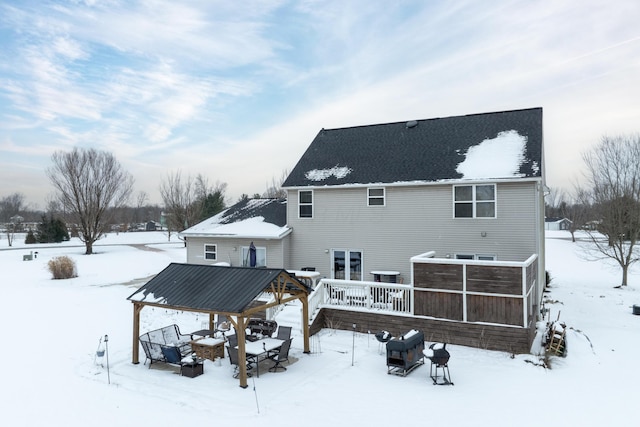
[[52, 329]]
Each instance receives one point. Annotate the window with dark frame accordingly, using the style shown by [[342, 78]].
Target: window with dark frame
[[210, 252], [375, 196], [478, 257], [305, 204], [474, 201]]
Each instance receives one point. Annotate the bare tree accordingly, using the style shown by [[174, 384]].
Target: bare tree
[[188, 200], [553, 202], [178, 195], [90, 185], [613, 192], [275, 190], [577, 213], [209, 199], [10, 207]]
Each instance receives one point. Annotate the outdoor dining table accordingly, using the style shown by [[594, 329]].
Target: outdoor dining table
[[261, 350]]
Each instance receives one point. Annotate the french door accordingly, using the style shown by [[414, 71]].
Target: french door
[[346, 264]]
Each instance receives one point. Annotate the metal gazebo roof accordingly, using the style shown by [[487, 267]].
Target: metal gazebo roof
[[218, 289]]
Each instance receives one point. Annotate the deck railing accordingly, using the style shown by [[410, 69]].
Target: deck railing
[[359, 295]]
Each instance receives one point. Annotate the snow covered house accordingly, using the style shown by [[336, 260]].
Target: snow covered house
[[227, 238], [433, 224]]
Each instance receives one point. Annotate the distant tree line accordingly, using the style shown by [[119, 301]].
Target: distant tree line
[[93, 195]]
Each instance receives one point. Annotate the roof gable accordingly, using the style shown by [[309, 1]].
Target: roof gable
[[430, 150]]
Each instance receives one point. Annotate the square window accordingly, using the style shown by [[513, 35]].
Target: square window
[[463, 193], [486, 210], [485, 192], [464, 210], [375, 197], [210, 252], [474, 201]]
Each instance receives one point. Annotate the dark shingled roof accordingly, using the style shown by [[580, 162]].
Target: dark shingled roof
[[209, 288], [420, 150], [274, 211]]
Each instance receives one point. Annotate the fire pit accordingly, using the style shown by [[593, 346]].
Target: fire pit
[[439, 357]]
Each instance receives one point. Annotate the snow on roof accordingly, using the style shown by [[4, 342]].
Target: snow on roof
[[254, 218], [250, 227], [150, 297], [322, 174], [498, 157]]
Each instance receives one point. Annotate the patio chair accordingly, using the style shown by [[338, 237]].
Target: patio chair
[[233, 360], [281, 356], [284, 332], [173, 356], [232, 340]]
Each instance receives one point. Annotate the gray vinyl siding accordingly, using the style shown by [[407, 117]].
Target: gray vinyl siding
[[276, 250], [415, 219]]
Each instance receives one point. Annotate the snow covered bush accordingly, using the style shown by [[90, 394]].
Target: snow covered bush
[[62, 267]]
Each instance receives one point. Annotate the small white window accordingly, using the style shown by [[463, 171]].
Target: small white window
[[305, 204], [375, 196], [211, 252]]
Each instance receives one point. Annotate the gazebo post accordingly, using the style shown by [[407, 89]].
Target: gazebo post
[[212, 322], [305, 323], [242, 354], [135, 356]]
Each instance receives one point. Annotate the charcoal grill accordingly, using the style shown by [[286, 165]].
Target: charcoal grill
[[439, 357], [406, 353]]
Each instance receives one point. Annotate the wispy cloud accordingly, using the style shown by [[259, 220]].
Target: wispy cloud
[[220, 86]]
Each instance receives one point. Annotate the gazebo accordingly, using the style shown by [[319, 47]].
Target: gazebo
[[229, 291]]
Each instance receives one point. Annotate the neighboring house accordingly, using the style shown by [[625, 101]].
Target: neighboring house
[[227, 237], [557, 224], [452, 207]]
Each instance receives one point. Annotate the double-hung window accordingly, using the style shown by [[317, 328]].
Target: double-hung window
[[305, 204], [210, 252], [375, 197], [474, 201]]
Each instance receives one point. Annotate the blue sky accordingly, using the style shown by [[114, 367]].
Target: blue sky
[[236, 91]]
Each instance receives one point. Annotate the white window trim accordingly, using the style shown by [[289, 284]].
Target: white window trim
[[474, 202], [370, 197], [245, 250], [214, 251], [306, 204], [347, 253]]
